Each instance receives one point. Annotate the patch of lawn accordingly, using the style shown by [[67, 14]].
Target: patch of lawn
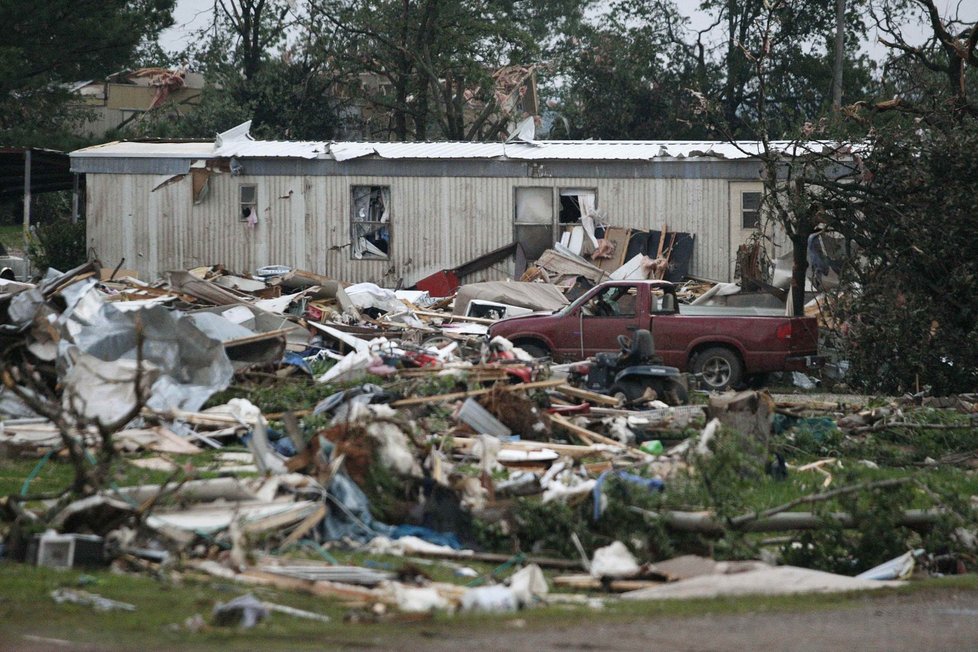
[[162, 606], [12, 236]]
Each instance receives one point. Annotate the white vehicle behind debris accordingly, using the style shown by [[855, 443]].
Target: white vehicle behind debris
[[13, 268]]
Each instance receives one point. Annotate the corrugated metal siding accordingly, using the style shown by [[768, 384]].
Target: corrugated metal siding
[[437, 223]]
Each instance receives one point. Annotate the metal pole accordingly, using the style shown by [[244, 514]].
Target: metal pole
[[74, 199], [27, 199]]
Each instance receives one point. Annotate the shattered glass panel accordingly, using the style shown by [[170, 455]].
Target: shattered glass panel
[[370, 232]]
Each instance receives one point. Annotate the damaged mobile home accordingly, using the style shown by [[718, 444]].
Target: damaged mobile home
[[395, 213]]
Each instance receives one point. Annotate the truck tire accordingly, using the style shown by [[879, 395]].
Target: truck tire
[[719, 368], [534, 349]]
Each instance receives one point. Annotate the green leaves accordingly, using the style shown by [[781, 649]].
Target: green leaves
[[47, 44]]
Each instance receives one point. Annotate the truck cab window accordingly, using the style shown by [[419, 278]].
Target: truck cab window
[[613, 302]]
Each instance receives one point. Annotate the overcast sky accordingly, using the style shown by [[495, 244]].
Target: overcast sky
[[191, 15]]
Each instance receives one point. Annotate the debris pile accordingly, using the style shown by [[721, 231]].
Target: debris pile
[[408, 434]]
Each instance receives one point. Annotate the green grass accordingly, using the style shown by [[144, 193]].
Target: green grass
[[57, 473], [12, 237], [26, 608], [162, 606]]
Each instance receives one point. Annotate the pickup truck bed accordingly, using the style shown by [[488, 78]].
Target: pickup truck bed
[[725, 348]]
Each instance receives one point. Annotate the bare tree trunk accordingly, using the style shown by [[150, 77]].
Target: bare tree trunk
[[799, 266], [840, 34]]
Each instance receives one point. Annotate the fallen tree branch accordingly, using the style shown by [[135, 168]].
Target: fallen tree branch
[[907, 424], [738, 522], [706, 524]]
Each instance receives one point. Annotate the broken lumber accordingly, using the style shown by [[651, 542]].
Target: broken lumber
[[584, 433], [438, 398], [590, 397], [308, 524], [571, 450]]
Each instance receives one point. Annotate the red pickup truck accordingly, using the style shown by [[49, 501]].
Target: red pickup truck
[[720, 344]]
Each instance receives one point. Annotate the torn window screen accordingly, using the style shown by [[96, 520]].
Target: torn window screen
[[370, 231]]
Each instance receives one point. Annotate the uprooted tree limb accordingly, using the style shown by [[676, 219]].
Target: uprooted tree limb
[[779, 518], [741, 521]]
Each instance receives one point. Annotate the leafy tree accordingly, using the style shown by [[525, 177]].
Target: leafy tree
[[623, 77], [253, 73], [911, 296], [424, 68], [52, 43], [795, 41]]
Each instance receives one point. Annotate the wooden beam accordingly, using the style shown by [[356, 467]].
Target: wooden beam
[[454, 396], [584, 433], [570, 450], [307, 524], [590, 397]]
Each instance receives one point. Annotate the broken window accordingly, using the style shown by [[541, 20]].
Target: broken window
[[370, 229], [750, 210], [535, 226], [534, 220], [248, 196], [575, 203]]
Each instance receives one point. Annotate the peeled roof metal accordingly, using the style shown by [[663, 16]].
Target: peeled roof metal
[[425, 150], [238, 143], [137, 149]]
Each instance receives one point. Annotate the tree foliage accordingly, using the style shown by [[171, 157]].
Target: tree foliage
[[424, 69], [253, 72], [911, 297], [49, 44], [623, 78], [795, 41]]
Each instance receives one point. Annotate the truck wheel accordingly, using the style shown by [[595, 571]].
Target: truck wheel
[[534, 349], [719, 367]]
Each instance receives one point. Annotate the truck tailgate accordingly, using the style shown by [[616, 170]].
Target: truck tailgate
[[804, 335]]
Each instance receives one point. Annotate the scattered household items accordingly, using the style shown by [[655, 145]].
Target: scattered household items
[[284, 418]]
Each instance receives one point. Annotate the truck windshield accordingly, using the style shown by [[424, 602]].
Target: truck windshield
[[570, 307]]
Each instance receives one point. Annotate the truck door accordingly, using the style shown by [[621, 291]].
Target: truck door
[[667, 329], [611, 312]]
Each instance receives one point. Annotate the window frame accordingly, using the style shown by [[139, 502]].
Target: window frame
[[242, 204], [555, 225], [754, 222], [383, 222]]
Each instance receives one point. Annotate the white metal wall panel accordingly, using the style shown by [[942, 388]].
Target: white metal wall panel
[[437, 222]]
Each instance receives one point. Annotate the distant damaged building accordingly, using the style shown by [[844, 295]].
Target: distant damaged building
[[394, 213]]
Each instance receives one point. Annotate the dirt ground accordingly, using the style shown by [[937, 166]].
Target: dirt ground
[[913, 622]]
